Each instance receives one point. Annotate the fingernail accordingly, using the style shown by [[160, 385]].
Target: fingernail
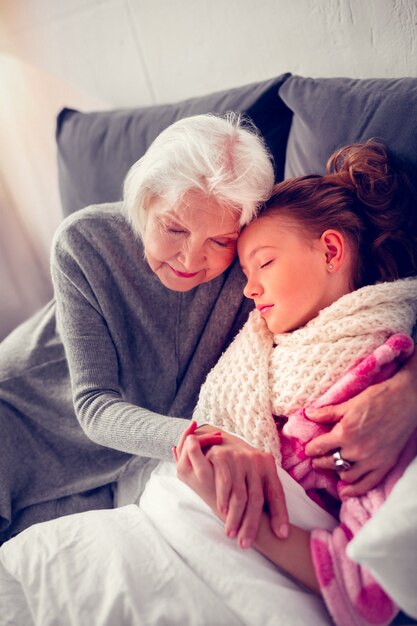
[[245, 543], [193, 427], [283, 531], [231, 534]]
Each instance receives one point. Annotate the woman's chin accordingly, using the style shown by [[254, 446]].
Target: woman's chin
[[179, 283]]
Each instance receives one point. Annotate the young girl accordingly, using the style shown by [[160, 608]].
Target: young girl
[[331, 266]]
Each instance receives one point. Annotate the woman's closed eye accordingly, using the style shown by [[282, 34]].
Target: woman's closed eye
[[175, 231], [226, 243], [171, 227]]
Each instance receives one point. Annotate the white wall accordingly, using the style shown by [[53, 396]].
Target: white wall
[[95, 54], [129, 52]]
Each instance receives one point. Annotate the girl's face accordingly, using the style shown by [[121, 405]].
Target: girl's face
[[287, 272], [191, 243]]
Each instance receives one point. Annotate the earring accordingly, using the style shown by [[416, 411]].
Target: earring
[[330, 266]]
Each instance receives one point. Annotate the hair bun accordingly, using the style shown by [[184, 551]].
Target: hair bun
[[366, 169], [387, 205]]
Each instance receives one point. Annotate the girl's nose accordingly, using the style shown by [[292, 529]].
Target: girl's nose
[[251, 289]]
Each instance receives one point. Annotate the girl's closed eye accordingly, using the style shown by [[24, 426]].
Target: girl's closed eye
[[266, 263]]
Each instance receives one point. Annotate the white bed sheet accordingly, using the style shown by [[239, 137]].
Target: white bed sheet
[[167, 562]]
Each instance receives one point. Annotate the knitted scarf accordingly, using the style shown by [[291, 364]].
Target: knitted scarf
[[262, 375]]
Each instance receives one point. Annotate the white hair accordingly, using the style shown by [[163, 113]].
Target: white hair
[[224, 157]]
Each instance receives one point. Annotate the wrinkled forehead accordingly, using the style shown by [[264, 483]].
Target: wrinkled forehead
[[195, 206]]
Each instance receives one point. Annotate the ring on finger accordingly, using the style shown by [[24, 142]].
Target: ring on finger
[[340, 464]]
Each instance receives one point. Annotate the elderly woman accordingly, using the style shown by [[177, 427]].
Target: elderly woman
[[146, 300]]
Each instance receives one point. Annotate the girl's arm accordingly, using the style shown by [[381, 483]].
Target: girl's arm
[[291, 554], [317, 560], [371, 429], [243, 479]]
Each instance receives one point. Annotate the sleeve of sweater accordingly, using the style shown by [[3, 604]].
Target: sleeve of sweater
[[93, 364], [352, 595]]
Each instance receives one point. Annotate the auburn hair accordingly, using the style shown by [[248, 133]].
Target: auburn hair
[[368, 196]]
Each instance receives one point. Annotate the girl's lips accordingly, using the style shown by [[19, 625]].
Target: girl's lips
[[264, 308], [183, 274]]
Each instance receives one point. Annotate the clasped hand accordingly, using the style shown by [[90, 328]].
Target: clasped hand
[[235, 479]]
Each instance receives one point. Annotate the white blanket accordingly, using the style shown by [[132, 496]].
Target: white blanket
[[166, 562]]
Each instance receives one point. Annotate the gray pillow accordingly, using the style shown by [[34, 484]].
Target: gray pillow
[[332, 112], [95, 150]]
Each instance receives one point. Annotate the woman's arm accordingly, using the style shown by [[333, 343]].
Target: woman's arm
[[120, 384], [371, 429]]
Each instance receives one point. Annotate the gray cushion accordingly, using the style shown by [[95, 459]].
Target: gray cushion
[[95, 150], [332, 112]]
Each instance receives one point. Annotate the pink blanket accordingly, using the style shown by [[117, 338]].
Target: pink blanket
[[352, 595]]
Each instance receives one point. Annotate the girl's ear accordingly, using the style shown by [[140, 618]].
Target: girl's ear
[[335, 248]]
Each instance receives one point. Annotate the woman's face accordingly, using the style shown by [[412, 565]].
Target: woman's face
[[191, 243], [286, 272]]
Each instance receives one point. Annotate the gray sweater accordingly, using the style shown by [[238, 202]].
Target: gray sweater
[[134, 353]]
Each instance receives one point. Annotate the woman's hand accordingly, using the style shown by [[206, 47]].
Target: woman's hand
[[370, 429], [244, 480]]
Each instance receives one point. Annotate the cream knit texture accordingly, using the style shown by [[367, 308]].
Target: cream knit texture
[[262, 374]]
